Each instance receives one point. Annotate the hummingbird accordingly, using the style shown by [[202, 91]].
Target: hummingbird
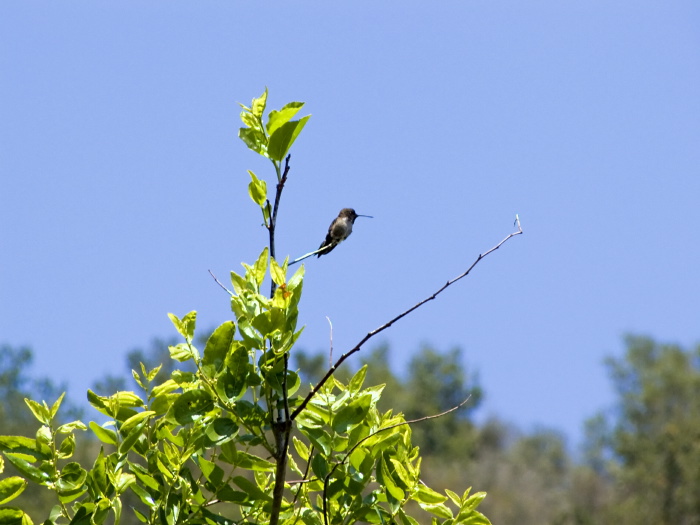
[[339, 230]]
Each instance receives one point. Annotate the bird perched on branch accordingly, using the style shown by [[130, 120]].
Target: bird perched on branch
[[339, 230]]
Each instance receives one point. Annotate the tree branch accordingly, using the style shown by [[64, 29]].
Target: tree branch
[[219, 283], [386, 325], [273, 217], [281, 428]]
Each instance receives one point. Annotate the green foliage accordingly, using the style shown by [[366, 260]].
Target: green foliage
[[652, 452], [210, 442]]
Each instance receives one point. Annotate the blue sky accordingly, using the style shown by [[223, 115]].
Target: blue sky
[[123, 180]]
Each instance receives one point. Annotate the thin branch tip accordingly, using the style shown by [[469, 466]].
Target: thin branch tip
[[219, 283]]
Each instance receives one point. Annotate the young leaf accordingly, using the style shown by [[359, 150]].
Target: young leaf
[[57, 405], [426, 495], [181, 352], [67, 447], [103, 434], [67, 428], [135, 420], [189, 322], [281, 117], [257, 108], [301, 448], [260, 267], [277, 273], [255, 139], [357, 380], [283, 138], [257, 189], [41, 412]]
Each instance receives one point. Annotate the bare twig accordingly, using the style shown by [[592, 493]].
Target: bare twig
[[386, 325], [307, 255], [219, 283], [330, 353]]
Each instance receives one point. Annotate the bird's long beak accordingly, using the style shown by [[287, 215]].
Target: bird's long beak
[[368, 216]]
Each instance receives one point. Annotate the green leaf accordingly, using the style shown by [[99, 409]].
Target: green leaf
[[283, 138], [67, 447], [211, 471], [182, 352], [319, 465], [406, 519], [251, 489], [260, 266], [454, 497], [251, 462], [226, 493], [164, 388], [117, 406], [98, 474], [474, 500], [240, 285], [43, 435], [14, 516], [257, 108], [438, 509], [24, 445], [385, 478], [72, 479], [301, 448], [277, 118], [267, 323], [67, 428], [82, 516], [357, 380], [30, 471], [10, 488], [146, 479], [257, 189], [190, 406], [135, 420], [151, 375], [57, 405], [232, 382], [254, 138], [41, 412], [186, 325], [103, 434], [426, 495], [277, 273], [131, 438], [351, 414], [474, 518], [218, 346], [221, 430]]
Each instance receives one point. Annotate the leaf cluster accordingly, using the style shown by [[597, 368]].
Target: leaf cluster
[[210, 444]]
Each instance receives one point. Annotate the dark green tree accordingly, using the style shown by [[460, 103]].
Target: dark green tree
[[655, 439]]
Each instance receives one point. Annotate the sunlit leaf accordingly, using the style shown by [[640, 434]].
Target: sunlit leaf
[[283, 138], [10, 488]]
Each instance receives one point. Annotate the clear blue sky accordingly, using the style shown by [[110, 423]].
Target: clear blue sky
[[123, 180]]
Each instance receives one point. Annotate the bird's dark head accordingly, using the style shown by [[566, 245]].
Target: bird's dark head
[[350, 214]]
